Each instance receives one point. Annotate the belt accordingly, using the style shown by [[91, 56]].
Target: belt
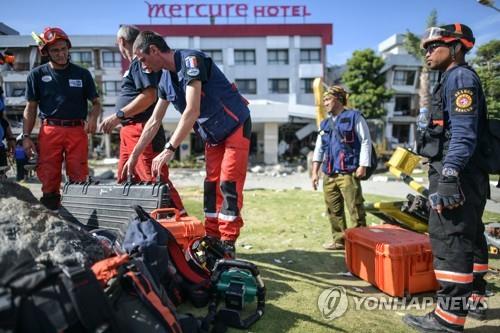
[[63, 122]]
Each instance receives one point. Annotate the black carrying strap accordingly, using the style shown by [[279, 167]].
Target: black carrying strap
[[229, 317], [88, 299]]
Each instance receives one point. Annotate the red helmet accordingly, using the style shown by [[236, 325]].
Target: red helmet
[[49, 36], [448, 34], [7, 58]]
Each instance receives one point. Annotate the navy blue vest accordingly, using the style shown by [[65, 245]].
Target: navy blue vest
[[340, 143], [222, 108]]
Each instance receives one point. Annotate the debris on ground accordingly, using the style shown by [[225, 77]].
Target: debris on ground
[[29, 231]]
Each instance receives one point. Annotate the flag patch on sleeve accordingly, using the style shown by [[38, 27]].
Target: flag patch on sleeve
[[191, 62]]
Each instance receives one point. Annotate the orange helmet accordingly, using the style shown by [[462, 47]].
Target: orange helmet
[[49, 36], [448, 34], [7, 58]]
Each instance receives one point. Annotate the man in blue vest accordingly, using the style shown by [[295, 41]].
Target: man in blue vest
[[343, 147], [211, 105], [458, 185]]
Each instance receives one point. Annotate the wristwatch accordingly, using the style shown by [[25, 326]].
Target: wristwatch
[[25, 136], [449, 172], [120, 114], [170, 147]]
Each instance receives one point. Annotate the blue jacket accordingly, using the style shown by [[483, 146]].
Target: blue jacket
[[222, 108], [340, 143], [457, 118], [465, 105]]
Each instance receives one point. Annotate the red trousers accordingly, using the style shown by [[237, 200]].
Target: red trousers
[[129, 136], [55, 145], [226, 166]]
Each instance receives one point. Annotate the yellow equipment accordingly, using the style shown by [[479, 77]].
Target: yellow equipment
[[401, 164], [413, 213], [318, 89]]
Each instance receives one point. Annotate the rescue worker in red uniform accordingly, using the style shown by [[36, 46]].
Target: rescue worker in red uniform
[[458, 183], [61, 90], [134, 106], [211, 105]]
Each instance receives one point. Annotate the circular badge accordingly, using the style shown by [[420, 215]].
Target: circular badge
[[46, 78], [193, 71], [463, 101]]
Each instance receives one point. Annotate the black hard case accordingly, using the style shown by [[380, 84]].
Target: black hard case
[[109, 206]]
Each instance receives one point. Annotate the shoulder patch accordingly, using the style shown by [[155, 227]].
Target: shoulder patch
[[191, 62], [464, 101], [193, 71]]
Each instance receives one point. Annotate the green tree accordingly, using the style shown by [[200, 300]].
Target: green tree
[[366, 84], [412, 45], [487, 65]]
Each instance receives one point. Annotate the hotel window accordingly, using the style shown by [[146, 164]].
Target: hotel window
[[83, 58], [244, 57], [216, 55], [111, 88], [310, 56], [306, 86], [277, 57], [247, 86], [404, 78], [111, 59], [278, 86]]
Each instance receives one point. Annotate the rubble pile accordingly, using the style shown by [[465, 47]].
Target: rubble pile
[[29, 231]]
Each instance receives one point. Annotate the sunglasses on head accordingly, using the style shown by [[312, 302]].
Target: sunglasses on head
[[432, 47]]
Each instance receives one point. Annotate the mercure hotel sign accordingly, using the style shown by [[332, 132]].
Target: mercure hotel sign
[[160, 10]]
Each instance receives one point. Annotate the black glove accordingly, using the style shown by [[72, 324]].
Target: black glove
[[449, 193]]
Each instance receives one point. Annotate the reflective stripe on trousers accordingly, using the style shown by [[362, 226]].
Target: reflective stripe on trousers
[[226, 166]]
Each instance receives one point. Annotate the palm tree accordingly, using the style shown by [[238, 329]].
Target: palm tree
[[412, 45]]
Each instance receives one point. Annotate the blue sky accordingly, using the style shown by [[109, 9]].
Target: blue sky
[[357, 24]]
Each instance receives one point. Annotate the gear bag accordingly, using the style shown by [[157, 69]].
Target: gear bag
[[165, 259], [138, 300], [44, 298]]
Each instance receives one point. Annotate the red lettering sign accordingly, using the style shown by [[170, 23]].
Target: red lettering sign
[[158, 10]]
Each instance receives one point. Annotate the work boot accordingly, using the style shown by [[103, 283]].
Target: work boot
[[477, 312], [427, 323], [52, 201], [229, 249]]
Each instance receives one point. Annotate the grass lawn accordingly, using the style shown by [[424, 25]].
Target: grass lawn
[[285, 230]]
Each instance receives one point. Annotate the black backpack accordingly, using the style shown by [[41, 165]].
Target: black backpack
[[373, 164], [488, 150], [46, 298]]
